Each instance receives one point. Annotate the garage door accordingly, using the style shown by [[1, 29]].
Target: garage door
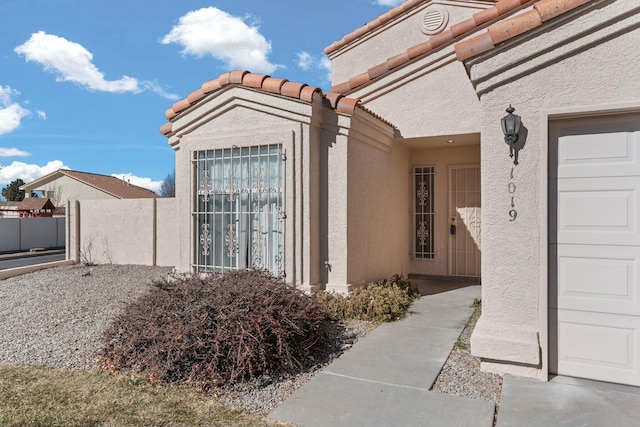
[[594, 251]]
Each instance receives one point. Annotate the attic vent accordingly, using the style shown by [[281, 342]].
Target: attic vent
[[434, 21]]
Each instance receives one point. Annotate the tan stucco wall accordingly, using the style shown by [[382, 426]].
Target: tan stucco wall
[[431, 97], [122, 231], [377, 212], [593, 74], [167, 233]]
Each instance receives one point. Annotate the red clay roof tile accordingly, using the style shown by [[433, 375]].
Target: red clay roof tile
[[211, 85], [463, 27], [549, 9], [224, 79], [441, 39], [512, 27], [347, 105], [359, 80], [504, 6], [166, 128], [292, 89], [237, 76], [378, 70], [485, 15], [254, 80], [472, 47], [195, 96], [398, 60], [419, 49], [308, 93], [273, 85], [333, 98]]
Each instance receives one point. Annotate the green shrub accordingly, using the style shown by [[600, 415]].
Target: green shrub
[[383, 301], [217, 330]]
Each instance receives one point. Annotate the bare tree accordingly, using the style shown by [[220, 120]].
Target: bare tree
[[54, 193], [168, 187]]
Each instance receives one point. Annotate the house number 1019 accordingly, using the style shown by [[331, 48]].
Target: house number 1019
[[513, 213]]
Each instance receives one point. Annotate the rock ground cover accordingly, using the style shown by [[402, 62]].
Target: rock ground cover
[[56, 318]]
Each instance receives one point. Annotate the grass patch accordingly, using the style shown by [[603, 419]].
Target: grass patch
[[37, 396]]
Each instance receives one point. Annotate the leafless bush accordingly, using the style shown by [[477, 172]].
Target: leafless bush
[[216, 330]]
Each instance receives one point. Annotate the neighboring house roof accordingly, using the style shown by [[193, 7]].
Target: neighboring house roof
[[542, 11], [263, 83], [108, 184], [35, 204]]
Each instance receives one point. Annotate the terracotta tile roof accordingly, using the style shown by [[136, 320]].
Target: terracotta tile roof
[[110, 184], [264, 83], [542, 11], [372, 25]]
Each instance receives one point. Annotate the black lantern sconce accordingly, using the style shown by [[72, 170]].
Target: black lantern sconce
[[511, 128]]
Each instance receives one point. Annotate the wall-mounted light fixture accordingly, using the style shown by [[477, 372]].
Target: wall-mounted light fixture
[[511, 127]]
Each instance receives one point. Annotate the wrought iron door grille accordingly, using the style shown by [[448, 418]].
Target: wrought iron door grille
[[238, 209], [423, 212]]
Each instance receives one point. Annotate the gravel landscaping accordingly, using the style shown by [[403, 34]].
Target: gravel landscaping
[[461, 374], [56, 318]]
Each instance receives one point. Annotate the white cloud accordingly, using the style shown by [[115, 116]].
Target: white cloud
[[72, 62], [211, 31], [307, 61], [390, 3], [11, 113], [41, 115], [12, 152], [28, 172], [140, 182]]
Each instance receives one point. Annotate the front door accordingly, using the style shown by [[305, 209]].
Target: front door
[[464, 218]]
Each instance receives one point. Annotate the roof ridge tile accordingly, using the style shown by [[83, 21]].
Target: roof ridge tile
[[261, 82]]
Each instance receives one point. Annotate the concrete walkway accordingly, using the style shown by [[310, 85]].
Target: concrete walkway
[[384, 380], [565, 401]]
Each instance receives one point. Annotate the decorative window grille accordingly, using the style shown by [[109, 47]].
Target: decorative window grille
[[423, 213], [238, 209]]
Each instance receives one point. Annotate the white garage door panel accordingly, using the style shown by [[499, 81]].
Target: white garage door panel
[[599, 211], [599, 278], [594, 247], [602, 346], [591, 155]]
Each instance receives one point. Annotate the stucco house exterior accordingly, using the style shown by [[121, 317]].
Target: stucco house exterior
[[402, 167], [64, 185]]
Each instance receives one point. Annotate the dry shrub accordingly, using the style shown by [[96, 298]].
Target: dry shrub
[[216, 330], [383, 301]]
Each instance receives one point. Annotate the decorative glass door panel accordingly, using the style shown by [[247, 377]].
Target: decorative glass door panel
[[239, 216]]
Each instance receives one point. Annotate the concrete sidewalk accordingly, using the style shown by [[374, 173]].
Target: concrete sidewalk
[[384, 380], [567, 402]]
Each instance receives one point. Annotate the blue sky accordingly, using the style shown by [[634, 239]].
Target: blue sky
[[84, 83]]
